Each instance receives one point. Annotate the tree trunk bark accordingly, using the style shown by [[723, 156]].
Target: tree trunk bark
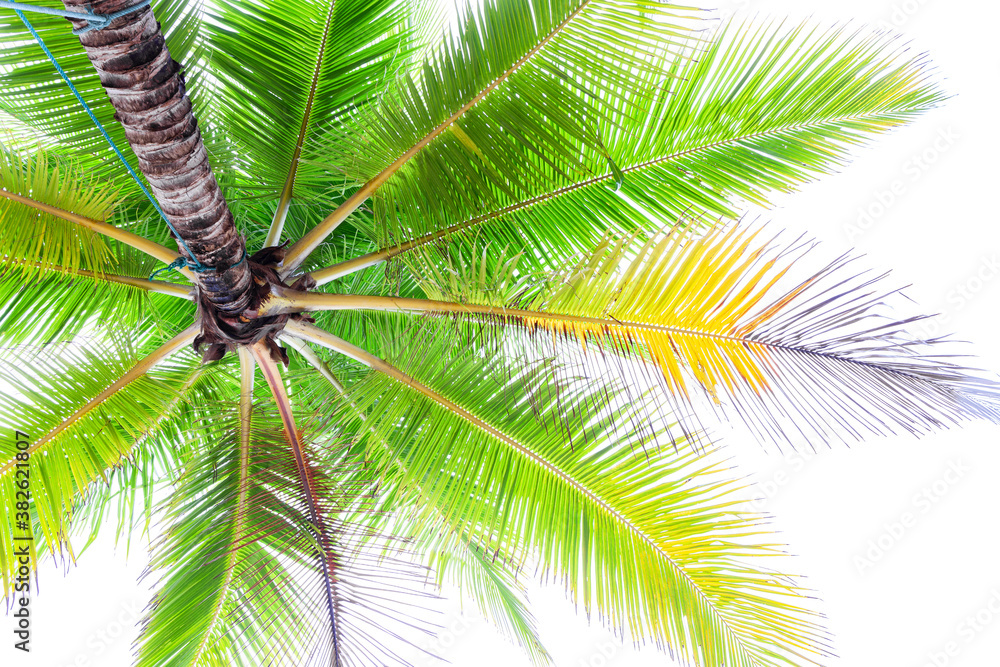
[[146, 87]]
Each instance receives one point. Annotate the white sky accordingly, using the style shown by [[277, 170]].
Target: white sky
[[917, 605]]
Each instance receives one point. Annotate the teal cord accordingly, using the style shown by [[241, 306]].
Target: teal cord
[[194, 265], [94, 21], [176, 264], [180, 261]]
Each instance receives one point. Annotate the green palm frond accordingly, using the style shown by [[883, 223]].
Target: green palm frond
[[482, 575], [454, 557], [183, 24], [238, 506], [34, 236], [208, 551], [508, 50], [649, 542], [83, 408], [129, 494], [530, 70], [221, 598], [60, 307], [17, 136], [762, 109], [57, 305], [328, 483], [285, 68]]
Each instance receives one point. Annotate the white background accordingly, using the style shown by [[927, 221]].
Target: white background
[[914, 603]]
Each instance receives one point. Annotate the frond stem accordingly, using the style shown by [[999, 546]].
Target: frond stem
[[347, 267], [158, 286], [239, 515], [173, 345], [291, 301], [272, 376], [298, 252], [152, 249], [285, 201]]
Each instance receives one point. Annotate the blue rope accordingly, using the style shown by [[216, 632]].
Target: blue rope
[[180, 261], [176, 264], [195, 265], [94, 21]]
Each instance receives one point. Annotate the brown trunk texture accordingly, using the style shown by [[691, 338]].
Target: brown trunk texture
[[146, 87]]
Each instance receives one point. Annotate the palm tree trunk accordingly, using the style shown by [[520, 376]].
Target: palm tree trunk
[[146, 87]]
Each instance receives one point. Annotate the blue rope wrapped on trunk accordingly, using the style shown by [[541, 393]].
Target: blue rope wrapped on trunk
[[94, 21], [98, 22]]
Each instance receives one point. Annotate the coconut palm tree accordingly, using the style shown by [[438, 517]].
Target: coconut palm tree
[[490, 274]]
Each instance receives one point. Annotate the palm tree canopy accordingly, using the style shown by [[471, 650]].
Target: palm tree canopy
[[489, 270]]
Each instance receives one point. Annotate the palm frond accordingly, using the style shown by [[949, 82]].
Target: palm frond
[[530, 70], [177, 633], [821, 356], [44, 302], [454, 557], [55, 303], [55, 308], [73, 445], [283, 69], [154, 286], [128, 496], [53, 211], [762, 109], [342, 634], [650, 543], [482, 575], [33, 235]]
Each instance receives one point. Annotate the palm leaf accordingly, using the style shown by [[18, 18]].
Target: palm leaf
[[479, 574], [650, 543], [821, 357], [177, 633], [129, 494], [285, 68], [90, 408], [345, 628], [531, 70], [761, 110], [36, 236], [53, 212], [454, 557], [58, 304]]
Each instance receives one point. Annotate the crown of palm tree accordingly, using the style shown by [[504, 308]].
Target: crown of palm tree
[[499, 255]]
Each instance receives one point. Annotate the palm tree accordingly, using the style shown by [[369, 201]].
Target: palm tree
[[500, 257]]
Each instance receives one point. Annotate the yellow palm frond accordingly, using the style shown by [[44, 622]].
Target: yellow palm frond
[[718, 313]]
